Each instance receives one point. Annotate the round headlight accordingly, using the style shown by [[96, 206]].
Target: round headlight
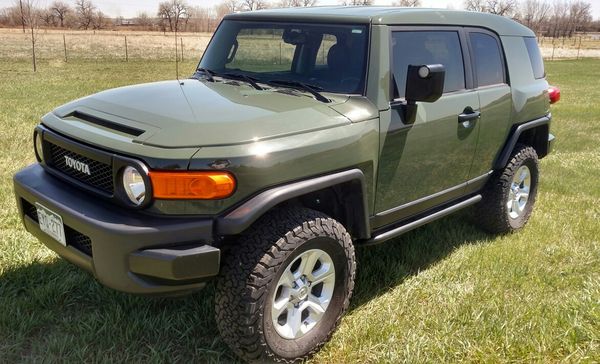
[[134, 185], [37, 144]]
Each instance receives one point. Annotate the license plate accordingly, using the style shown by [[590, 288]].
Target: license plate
[[51, 223]]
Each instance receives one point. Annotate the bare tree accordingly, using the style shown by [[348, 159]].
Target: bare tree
[[174, 13], [475, 5], [60, 11], [85, 11], [408, 3], [48, 18], [19, 5], [144, 21], [297, 3], [357, 2], [30, 16], [99, 20], [251, 5], [580, 15], [535, 13], [498, 7], [501, 7]]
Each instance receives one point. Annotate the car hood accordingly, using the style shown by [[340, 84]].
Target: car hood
[[194, 113]]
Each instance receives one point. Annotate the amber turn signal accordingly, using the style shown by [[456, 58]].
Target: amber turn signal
[[199, 185]]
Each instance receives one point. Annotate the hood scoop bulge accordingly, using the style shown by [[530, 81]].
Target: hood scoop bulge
[[105, 123]]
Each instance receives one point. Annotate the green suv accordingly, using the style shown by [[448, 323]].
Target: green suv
[[302, 134]]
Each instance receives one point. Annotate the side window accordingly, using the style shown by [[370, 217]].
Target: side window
[[428, 47], [535, 57], [487, 58]]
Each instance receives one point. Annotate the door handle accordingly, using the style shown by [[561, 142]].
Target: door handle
[[467, 117]]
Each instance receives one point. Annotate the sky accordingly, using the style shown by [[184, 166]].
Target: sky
[[130, 8]]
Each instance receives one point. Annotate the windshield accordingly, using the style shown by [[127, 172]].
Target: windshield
[[329, 57]]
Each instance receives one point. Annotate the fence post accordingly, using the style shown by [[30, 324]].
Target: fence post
[[553, 46], [578, 48], [65, 46], [181, 39], [126, 51]]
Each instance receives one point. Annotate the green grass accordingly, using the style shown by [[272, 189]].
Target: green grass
[[444, 292]]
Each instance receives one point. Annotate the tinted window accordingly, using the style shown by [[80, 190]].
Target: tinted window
[[535, 57], [331, 57], [488, 59], [416, 48]]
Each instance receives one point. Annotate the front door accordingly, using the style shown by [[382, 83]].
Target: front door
[[425, 163]]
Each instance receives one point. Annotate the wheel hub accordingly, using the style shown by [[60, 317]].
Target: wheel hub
[[519, 192], [303, 294]]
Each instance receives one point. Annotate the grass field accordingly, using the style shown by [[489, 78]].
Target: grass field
[[444, 292]]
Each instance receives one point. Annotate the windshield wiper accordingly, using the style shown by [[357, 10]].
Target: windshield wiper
[[312, 89], [242, 77], [207, 73]]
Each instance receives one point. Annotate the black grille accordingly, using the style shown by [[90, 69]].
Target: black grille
[[74, 238], [100, 175], [77, 240], [30, 210]]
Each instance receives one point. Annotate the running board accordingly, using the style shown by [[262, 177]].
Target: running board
[[386, 235]]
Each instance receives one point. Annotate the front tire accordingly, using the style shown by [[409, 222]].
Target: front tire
[[510, 194], [285, 285]]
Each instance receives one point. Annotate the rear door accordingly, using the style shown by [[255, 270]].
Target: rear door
[[491, 82], [428, 162]]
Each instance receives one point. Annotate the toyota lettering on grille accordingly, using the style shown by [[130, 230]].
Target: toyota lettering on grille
[[77, 165]]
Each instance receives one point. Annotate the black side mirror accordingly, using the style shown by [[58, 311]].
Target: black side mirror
[[424, 83]]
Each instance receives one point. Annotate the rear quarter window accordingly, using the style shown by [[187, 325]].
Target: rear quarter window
[[488, 59], [535, 57]]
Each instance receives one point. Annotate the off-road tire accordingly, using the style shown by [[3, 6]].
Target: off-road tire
[[253, 267], [492, 213]]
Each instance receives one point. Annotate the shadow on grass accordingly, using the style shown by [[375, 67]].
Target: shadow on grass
[[57, 312]]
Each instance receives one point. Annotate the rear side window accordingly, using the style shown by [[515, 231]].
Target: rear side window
[[537, 63], [428, 47], [488, 59]]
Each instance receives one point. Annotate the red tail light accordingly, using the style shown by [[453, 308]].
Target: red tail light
[[554, 94]]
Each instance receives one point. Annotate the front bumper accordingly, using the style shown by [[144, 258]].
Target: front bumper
[[126, 250]]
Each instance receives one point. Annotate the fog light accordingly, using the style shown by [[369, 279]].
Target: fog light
[[134, 185]]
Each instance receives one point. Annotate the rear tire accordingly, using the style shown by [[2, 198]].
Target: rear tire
[[253, 286], [510, 194]]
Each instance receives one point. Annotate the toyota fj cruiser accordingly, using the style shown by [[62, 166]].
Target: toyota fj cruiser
[[302, 134]]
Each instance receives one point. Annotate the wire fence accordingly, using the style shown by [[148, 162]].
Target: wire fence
[[133, 45], [98, 45]]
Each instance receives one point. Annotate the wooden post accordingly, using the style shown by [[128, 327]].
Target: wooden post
[[65, 46], [553, 46], [578, 48], [176, 56], [181, 40], [33, 48], [126, 51]]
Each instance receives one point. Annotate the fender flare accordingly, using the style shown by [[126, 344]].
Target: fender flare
[[504, 155], [243, 216]]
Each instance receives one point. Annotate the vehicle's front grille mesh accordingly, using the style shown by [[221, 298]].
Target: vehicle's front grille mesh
[[74, 238], [100, 175], [77, 240], [30, 210]]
